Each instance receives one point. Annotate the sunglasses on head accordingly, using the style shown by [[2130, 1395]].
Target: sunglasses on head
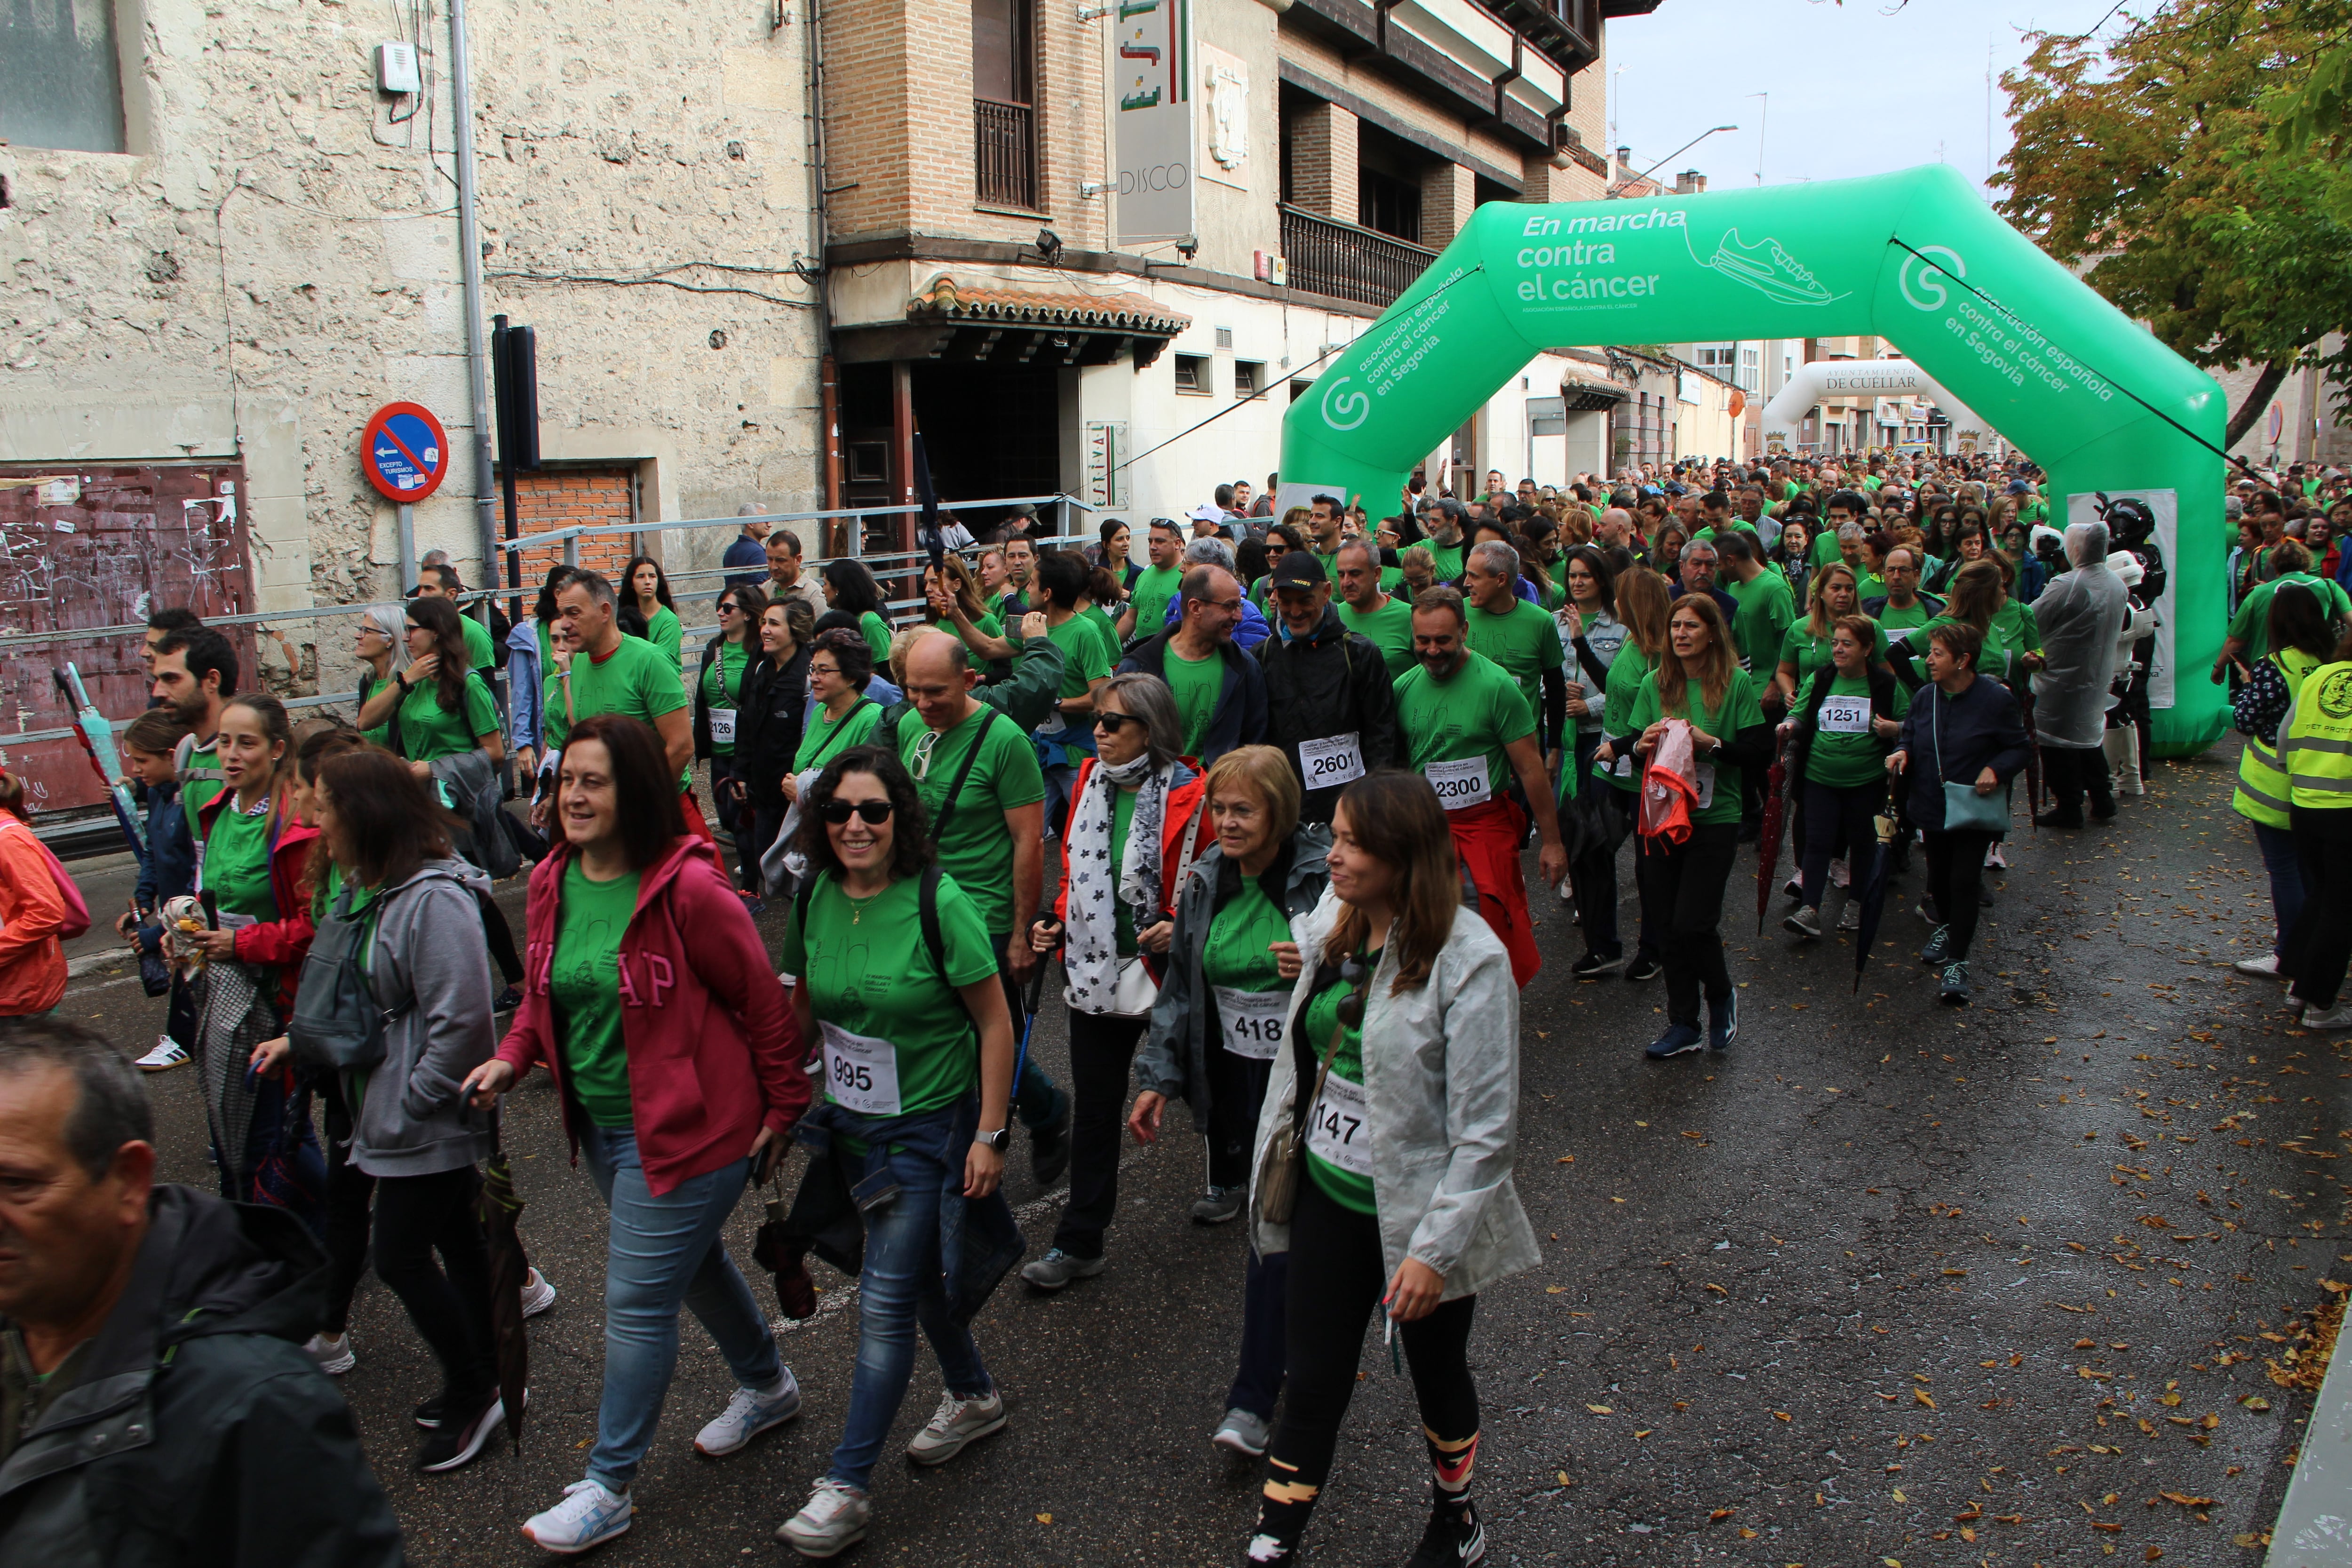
[[837, 812]]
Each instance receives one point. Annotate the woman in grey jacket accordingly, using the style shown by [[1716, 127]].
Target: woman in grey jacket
[[1219, 1022], [1406, 1197], [428, 965]]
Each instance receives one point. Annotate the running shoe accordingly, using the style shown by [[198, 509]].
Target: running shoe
[[1567, 890], [1849, 918], [1454, 1538], [834, 1519], [1767, 268], [432, 1415], [1805, 921], [1680, 1039], [168, 1054], [1841, 876], [1218, 1205], [1057, 1269], [960, 1420], [2337, 1017], [508, 1000], [1939, 948], [1952, 990], [1243, 1433], [333, 1353], [588, 1516], [1994, 855], [1723, 1022], [455, 1444], [749, 1412], [538, 1295], [1643, 967], [1593, 965], [2265, 967], [1793, 888]]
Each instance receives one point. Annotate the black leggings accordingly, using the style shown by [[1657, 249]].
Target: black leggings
[[1682, 884], [1833, 815], [1336, 1277], [1102, 1051], [1955, 871], [349, 1191], [2320, 944], [1236, 1090], [448, 1300]]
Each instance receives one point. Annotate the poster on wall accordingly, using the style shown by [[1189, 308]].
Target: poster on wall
[[1152, 131], [2166, 505], [1107, 453]]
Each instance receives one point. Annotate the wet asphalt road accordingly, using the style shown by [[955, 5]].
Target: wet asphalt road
[[1887, 1282]]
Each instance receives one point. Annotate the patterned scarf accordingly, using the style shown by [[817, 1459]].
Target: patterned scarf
[[1090, 953]]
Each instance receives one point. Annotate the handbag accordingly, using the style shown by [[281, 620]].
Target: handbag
[[1135, 991], [1277, 1184], [1963, 807]]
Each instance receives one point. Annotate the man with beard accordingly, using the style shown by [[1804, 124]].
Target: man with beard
[[1469, 732]]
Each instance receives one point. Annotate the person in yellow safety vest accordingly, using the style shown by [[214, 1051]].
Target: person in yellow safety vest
[[2315, 750], [2300, 642]]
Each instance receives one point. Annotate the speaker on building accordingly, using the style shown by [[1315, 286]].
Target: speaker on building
[[514, 359]]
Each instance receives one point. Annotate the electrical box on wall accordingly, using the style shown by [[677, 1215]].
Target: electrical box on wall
[[396, 68]]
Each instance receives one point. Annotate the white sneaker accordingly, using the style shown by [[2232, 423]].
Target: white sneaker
[[588, 1516], [1994, 855], [1850, 919], [749, 1412], [333, 1353], [168, 1054], [2266, 966], [955, 1424], [833, 1520], [2337, 1017], [538, 1295], [1841, 874]]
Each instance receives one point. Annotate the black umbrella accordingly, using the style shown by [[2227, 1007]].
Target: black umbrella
[[779, 1249], [928, 535], [501, 1206], [1874, 893]]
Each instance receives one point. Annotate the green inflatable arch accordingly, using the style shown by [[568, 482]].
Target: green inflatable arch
[[1915, 256]]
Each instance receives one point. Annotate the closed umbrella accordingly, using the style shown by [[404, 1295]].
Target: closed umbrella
[[1767, 837], [501, 1206], [1874, 894], [2024, 689]]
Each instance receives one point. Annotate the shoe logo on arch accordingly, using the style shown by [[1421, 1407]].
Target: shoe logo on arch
[[1766, 267]]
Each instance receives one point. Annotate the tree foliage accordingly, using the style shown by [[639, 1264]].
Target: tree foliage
[[2170, 156]]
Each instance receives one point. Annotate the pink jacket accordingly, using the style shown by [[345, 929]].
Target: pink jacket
[[1669, 784], [713, 1052]]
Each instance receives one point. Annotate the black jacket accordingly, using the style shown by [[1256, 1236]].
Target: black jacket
[[1331, 682], [768, 726], [200, 1432], [1240, 718], [1979, 729], [703, 745]]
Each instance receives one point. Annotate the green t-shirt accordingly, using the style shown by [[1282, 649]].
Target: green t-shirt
[[378, 734], [478, 641], [1767, 610], [1738, 711], [1122, 819], [428, 731], [2018, 631], [585, 983], [1390, 628], [1107, 625], [667, 635], [1824, 550], [1524, 640], [1195, 684], [1475, 714], [1448, 558], [2251, 625], [1845, 759], [975, 849], [823, 739], [1903, 625], [1154, 588], [1236, 954], [722, 684], [1869, 586], [878, 636], [1344, 1187], [1086, 655], [1618, 695], [235, 863], [635, 679], [869, 973]]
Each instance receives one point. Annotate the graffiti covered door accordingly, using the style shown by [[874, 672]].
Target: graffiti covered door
[[83, 548]]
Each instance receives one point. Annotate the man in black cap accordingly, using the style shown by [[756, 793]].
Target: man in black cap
[[1329, 706]]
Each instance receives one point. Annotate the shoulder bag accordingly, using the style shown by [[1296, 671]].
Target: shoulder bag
[[1277, 1184], [1963, 807]]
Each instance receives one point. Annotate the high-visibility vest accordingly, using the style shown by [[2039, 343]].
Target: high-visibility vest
[[2261, 784], [2315, 740]]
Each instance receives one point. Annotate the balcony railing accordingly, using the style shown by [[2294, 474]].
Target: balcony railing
[[1347, 262], [1004, 153]]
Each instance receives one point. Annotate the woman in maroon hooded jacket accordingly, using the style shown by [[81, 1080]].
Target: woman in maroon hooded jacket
[[677, 1065]]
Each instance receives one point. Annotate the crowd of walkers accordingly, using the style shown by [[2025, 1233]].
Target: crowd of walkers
[[1258, 791]]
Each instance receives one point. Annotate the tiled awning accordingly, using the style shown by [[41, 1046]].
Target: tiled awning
[[1006, 325]]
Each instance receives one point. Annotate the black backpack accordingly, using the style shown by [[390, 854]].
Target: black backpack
[[927, 899], [336, 1022]]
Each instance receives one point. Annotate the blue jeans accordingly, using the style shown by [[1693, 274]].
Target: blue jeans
[[2279, 859], [900, 1286], [662, 1251]]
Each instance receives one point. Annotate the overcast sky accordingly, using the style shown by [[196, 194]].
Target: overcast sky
[[1857, 89]]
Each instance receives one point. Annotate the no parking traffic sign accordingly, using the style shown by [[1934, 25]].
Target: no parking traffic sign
[[404, 452]]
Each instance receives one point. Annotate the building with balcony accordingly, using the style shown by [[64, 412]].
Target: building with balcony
[[1053, 305]]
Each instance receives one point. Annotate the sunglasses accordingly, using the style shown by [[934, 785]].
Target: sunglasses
[[1353, 972], [837, 812], [1112, 723]]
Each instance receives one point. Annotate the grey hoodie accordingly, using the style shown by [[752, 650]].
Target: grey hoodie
[[430, 961]]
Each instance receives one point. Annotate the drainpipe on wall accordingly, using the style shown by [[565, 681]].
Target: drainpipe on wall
[[477, 353], [828, 373]]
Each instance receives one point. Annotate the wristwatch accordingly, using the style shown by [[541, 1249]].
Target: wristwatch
[[999, 1140]]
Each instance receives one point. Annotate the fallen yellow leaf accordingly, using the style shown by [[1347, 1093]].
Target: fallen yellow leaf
[[1044, 1519], [1921, 1396], [1600, 1409]]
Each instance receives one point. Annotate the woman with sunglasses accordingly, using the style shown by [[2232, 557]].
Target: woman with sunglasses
[[1399, 1077], [840, 715], [381, 645], [1136, 817], [675, 1067], [918, 1054], [437, 706], [718, 689]]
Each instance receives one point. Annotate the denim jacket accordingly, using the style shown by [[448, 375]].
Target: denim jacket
[[1442, 1091]]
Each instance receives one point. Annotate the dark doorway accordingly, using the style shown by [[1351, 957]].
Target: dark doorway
[[990, 431]]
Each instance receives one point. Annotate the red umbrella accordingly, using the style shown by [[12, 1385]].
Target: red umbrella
[[1767, 837]]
